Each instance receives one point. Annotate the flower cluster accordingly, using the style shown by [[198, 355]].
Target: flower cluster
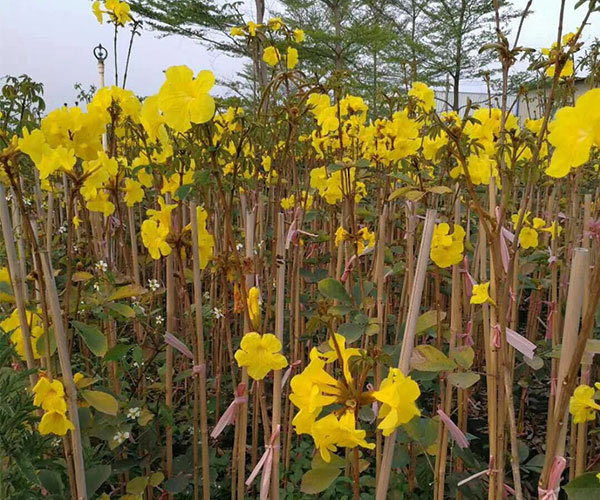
[[50, 396], [447, 249]]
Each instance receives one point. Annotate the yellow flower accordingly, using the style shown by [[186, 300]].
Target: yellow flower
[[481, 294], [344, 352], [206, 241], [275, 23], [554, 229], [424, 94], [252, 27], [447, 249], [101, 203], [528, 237], [566, 71], [154, 238], [298, 35], [184, 99], [271, 56], [292, 57], [119, 11], [55, 422], [254, 305], [12, 325], [312, 389], [329, 433], [340, 235], [97, 11], [76, 221], [398, 395], [50, 395], [582, 405], [261, 354], [162, 216], [133, 192], [573, 132], [237, 31]]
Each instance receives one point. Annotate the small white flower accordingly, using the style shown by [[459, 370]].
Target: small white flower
[[134, 413], [75, 248], [159, 320], [102, 266], [153, 285], [239, 247], [217, 312], [206, 295], [28, 201], [96, 287], [120, 437], [135, 364], [62, 229]]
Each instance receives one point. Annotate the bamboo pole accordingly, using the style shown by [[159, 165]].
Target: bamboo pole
[[407, 344], [200, 358], [279, 317]]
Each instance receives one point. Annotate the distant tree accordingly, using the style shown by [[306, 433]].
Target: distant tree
[[459, 28], [21, 103]]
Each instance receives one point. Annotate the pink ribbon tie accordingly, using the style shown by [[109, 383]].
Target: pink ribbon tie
[[265, 463]]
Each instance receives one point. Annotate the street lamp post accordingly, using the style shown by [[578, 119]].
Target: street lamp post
[[100, 53]]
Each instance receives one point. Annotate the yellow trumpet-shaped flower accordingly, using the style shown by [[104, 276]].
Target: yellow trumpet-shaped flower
[[6, 291], [528, 237], [582, 405], [261, 354], [253, 301], [292, 57], [331, 432], [481, 294], [271, 56], [339, 350], [398, 395], [55, 422], [50, 395], [447, 249], [133, 192], [206, 241], [423, 94], [184, 99], [154, 238]]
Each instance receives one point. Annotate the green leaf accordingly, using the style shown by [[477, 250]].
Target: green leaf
[[156, 478], [95, 477], [427, 358], [93, 338], [122, 309], [102, 401], [584, 487], [137, 485], [51, 481], [339, 310], [175, 484], [351, 331], [536, 362], [183, 191], [40, 344], [463, 356], [117, 352], [126, 292], [333, 289], [82, 276], [319, 479], [428, 320], [463, 380]]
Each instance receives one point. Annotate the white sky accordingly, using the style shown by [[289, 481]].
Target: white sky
[[52, 41]]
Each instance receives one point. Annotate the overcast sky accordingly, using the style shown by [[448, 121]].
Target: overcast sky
[[52, 41]]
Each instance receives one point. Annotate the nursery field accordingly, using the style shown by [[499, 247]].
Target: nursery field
[[307, 287]]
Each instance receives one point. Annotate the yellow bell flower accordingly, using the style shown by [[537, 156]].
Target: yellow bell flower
[[97, 11], [12, 325], [424, 95], [292, 57], [271, 56], [50, 395], [344, 352], [55, 422], [298, 35], [101, 203], [330, 432], [133, 192], [528, 238], [5, 296], [398, 395], [119, 11], [162, 216], [481, 294], [184, 99], [261, 354], [154, 238], [582, 405], [447, 249], [254, 305], [237, 31]]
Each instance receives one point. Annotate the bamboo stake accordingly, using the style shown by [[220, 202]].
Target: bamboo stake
[[18, 283], [170, 328], [200, 382], [407, 344], [279, 317]]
